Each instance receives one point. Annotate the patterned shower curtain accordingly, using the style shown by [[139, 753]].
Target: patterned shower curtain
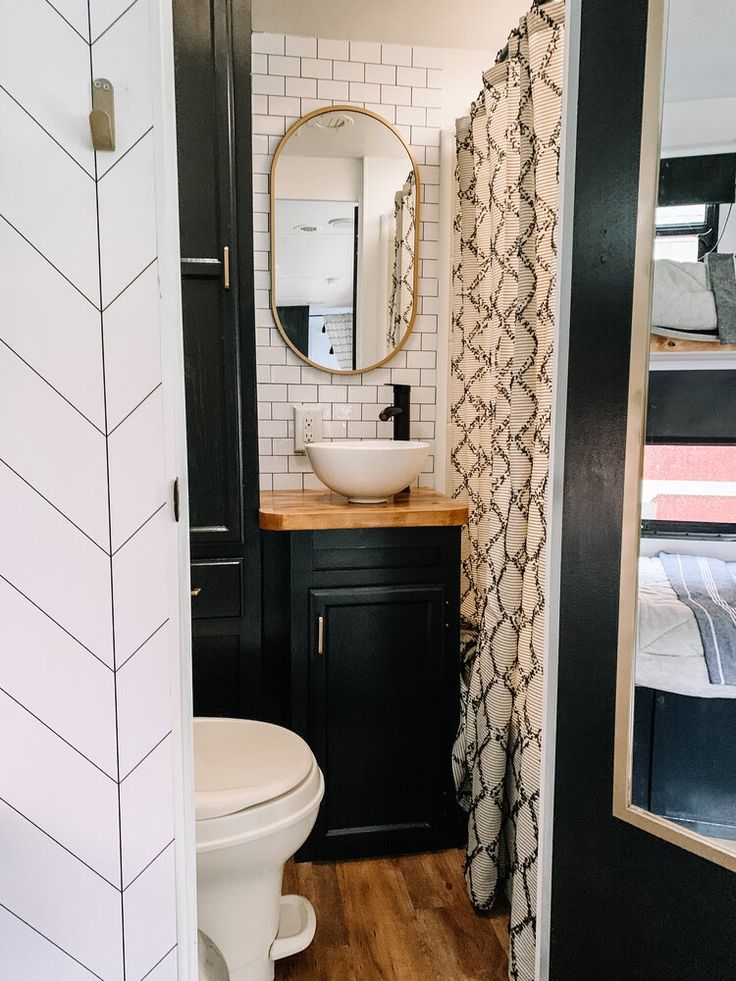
[[504, 282], [401, 285]]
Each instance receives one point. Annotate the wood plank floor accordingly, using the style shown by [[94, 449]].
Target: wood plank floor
[[395, 919]]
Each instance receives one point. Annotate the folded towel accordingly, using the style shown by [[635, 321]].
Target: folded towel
[[682, 299], [721, 271]]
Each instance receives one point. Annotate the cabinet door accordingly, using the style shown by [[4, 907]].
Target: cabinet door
[[224, 683], [380, 719], [203, 65]]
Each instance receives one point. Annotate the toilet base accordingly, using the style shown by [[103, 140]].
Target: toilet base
[[297, 925]]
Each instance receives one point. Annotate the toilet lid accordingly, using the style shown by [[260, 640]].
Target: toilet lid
[[239, 763]]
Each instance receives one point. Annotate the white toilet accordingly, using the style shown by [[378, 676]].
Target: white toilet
[[257, 793]]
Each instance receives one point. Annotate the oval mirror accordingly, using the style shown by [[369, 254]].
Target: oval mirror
[[344, 239]]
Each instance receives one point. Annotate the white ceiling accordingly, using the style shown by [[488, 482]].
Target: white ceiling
[[701, 50], [474, 24]]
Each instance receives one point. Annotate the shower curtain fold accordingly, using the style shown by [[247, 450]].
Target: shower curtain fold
[[504, 281], [401, 279]]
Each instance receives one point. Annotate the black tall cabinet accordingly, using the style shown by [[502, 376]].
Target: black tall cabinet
[[213, 114]]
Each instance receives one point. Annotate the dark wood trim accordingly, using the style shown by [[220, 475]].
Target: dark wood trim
[[624, 904], [240, 94]]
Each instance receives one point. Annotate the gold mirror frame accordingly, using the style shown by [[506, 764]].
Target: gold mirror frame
[[623, 808], [272, 228]]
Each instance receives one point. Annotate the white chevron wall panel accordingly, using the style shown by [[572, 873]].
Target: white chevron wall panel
[[27, 954], [146, 832], [87, 851], [127, 219], [124, 53], [150, 924], [58, 896], [73, 587], [84, 816], [141, 587], [165, 970], [144, 696], [132, 346], [137, 477], [48, 198], [33, 647], [76, 14], [105, 13], [53, 448], [51, 84], [49, 324]]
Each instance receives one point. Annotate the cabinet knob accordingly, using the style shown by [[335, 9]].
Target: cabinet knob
[[196, 590]]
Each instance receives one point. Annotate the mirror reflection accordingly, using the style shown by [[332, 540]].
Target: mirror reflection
[[684, 725], [345, 213]]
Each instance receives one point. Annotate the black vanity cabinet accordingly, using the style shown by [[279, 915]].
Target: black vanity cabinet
[[213, 115], [362, 629]]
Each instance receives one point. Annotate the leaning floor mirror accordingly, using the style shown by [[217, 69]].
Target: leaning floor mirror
[[675, 766]]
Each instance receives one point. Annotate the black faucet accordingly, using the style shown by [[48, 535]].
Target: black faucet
[[400, 411]]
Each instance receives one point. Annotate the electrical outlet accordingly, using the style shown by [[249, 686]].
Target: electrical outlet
[[308, 425]]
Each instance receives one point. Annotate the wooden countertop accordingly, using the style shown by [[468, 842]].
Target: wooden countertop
[[312, 510]]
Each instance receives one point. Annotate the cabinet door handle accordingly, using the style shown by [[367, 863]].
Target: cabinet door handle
[[196, 590], [320, 635], [226, 267]]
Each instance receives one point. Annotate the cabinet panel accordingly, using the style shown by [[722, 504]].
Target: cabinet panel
[[216, 589], [379, 719], [196, 116], [217, 676], [212, 40], [204, 76], [210, 366]]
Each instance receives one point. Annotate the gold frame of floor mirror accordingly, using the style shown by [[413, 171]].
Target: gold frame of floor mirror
[[272, 234], [623, 807]]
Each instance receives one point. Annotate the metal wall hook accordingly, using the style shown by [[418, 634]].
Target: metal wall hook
[[102, 117]]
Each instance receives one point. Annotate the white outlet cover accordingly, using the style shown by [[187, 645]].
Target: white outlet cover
[[308, 425]]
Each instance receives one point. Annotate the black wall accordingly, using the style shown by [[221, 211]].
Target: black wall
[[626, 906]]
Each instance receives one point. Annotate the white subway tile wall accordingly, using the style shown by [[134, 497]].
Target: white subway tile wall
[[291, 77]]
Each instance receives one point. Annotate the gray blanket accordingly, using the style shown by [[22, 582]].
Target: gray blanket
[[707, 586], [722, 283]]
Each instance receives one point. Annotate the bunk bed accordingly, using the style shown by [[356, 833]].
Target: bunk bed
[[684, 747]]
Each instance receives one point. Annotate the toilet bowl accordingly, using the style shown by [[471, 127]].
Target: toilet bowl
[[257, 793]]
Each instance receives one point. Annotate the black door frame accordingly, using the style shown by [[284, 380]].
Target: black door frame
[[624, 905]]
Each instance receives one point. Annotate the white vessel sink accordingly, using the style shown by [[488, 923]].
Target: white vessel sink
[[370, 471]]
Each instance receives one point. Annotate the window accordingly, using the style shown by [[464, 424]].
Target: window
[[689, 488], [686, 232]]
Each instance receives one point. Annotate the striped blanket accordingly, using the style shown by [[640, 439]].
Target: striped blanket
[[708, 587]]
